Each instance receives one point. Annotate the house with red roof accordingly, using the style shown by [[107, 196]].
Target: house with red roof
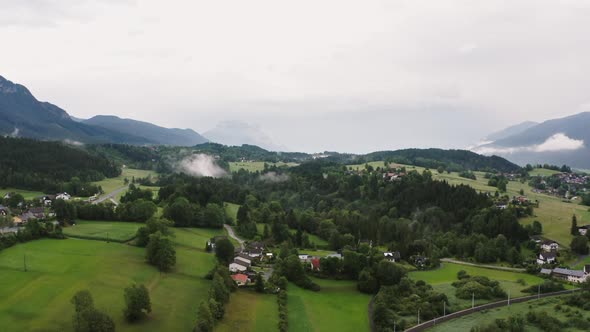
[[240, 279]]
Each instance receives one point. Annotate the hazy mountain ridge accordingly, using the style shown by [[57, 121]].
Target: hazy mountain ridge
[[557, 141], [22, 115]]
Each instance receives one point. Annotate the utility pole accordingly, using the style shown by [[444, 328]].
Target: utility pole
[[394, 326], [539, 292], [509, 298], [418, 316], [472, 300], [444, 308]]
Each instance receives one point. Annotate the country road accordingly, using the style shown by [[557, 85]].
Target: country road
[[230, 232], [493, 267], [110, 196]]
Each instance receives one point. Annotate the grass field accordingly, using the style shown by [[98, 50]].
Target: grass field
[[39, 300], [110, 184], [231, 210], [442, 278], [118, 231], [249, 311], [337, 307], [486, 317], [253, 166], [27, 194]]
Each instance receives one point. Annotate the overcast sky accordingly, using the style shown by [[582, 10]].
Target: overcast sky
[[317, 75]]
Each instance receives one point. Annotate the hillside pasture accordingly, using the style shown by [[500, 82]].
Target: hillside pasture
[[554, 213], [39, 299], [338, 306], [101, 230]]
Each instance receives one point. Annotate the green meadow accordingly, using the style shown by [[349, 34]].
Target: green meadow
[[39, 299], [248, 311], [486, 317], [117, 231], [231, 210], [338, 306], [110, 184], [442, 278], [27, 194]]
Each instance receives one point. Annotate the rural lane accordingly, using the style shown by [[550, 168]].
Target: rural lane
[[111, 196], [493, 267], [230, 232]]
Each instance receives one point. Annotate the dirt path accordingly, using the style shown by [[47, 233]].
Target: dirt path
[[230, 232]]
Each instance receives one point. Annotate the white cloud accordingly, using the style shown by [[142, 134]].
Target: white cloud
[[201, 165], [557, 142]]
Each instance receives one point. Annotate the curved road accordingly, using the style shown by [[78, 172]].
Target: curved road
[[493, 267], [110, 196], [230, 232]]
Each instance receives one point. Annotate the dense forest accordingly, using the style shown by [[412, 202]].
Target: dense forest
[[47, 166]]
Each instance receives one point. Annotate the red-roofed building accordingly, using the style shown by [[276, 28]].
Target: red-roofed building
[[315, 264], [240, 279]]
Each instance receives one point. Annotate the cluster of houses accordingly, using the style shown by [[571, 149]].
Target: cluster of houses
[[574, 179], [22, 214], [240, 267]]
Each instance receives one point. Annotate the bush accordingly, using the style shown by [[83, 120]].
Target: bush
[[137, 299], [283, 313]]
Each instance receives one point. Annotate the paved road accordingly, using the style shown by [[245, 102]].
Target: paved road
[[110, 196], [230, 232], [493, 267]]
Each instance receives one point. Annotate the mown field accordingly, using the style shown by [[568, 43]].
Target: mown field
[[249, 311], [118, 231], [231, 210], [253, 166], [442, 278], [486, 317], [338, 306], [39, 300]]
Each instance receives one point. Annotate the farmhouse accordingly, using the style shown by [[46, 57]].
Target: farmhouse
[[546, 258], [240, 279], [37, 212], [238, 266], [65, 196], [577, 276], [3, 210], [47, 199], [211, 242], [243, 258], [304, 257], [549, 246], [393, 257]]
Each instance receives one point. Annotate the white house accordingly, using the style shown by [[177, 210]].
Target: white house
[[64, 196], [583, 230], [550, 246], [304, 257], [393, 256], [238, 266], [546, 258]]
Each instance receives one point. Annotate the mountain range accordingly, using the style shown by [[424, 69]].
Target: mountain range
[[558, 141], [22, 115]]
